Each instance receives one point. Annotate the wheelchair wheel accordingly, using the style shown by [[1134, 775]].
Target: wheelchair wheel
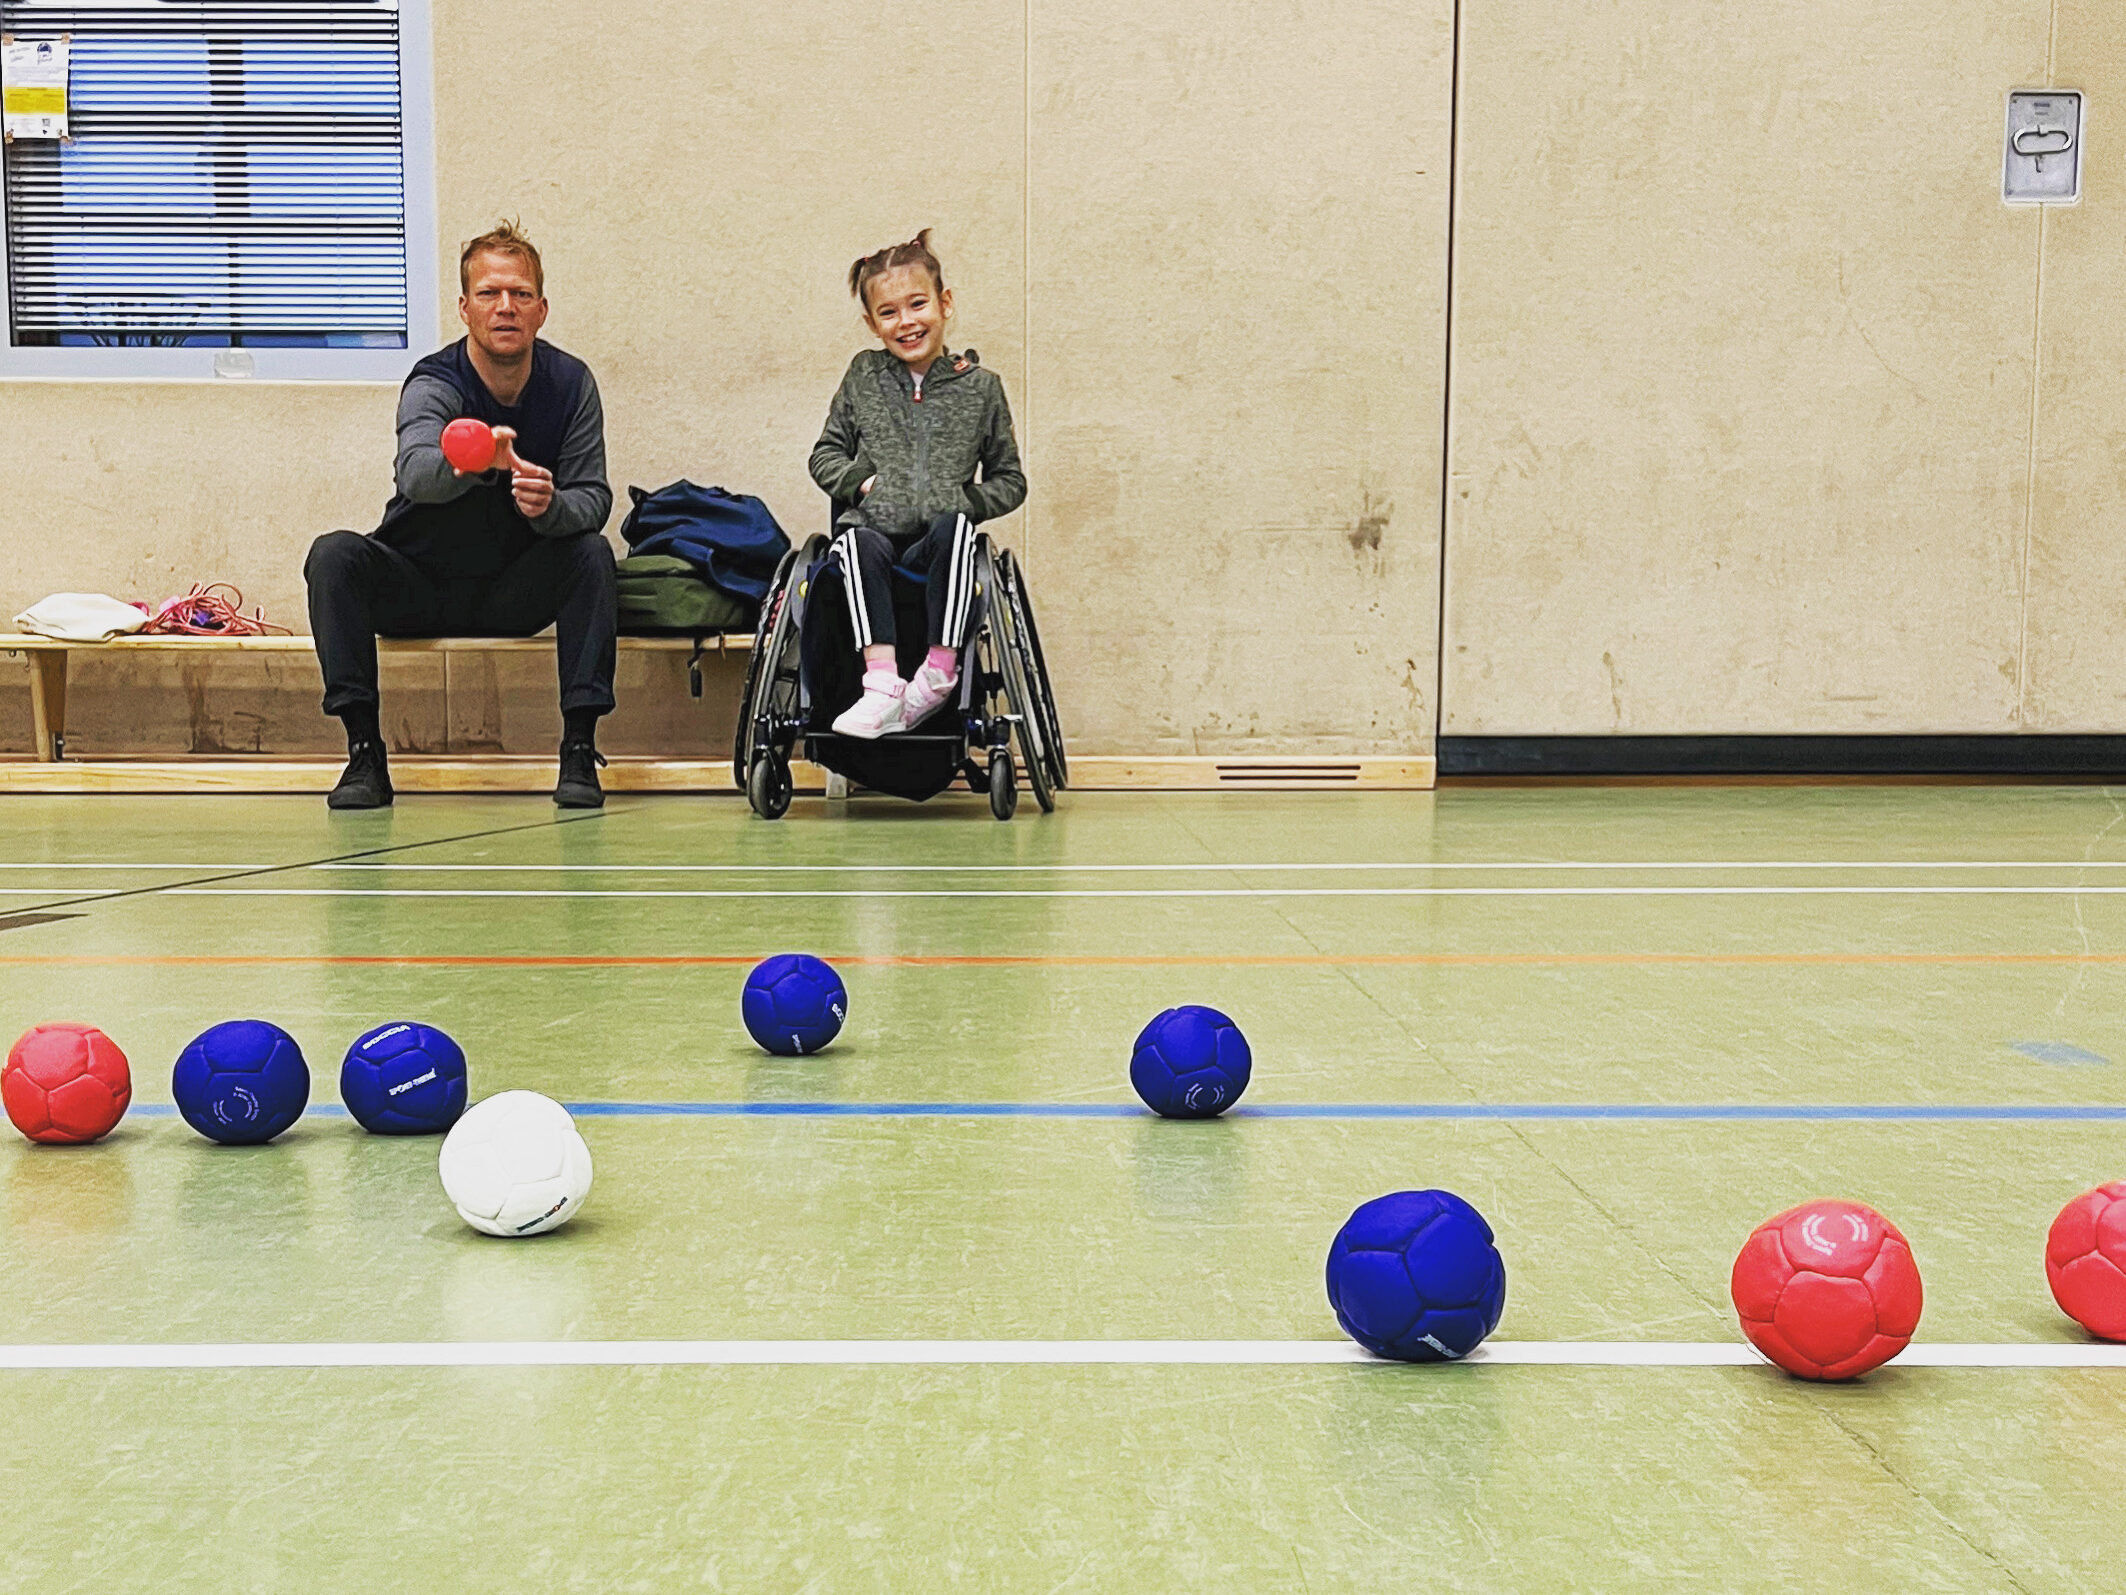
[[1003, 786], [1020, 602], [763, 629], [1011, 652], [768, 786], [770, 709]]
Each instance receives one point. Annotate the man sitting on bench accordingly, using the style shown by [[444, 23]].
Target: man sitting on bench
[[497, 553]]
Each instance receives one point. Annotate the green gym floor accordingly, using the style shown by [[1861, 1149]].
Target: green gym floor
[[1626, 1022]]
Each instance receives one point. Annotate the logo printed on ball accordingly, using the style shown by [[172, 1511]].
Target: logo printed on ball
[[408, 1085], [543, 1217], [385, 1035], [240, 1094]]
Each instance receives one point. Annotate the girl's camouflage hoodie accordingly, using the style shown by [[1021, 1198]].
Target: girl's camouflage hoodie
[[924, 451]]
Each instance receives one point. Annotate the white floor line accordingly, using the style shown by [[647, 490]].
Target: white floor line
[[962, 1353], [115, 867], [1209, 867], [1147, 892], [1194, 867]]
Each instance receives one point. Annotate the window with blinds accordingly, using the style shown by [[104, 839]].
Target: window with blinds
[[236, 179]]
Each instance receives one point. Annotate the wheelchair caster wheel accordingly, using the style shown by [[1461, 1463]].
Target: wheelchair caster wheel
[[768, 787], [1003, 786]]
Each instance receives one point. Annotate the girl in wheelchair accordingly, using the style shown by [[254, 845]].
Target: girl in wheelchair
[[917, 450]]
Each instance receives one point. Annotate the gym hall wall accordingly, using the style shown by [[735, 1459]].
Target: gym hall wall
[[1768, 416], [1204, 245]]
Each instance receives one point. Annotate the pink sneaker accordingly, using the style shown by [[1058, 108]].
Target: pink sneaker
[[879, 712], [930, 688]]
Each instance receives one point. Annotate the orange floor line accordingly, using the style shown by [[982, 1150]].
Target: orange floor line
[[1042, 960]]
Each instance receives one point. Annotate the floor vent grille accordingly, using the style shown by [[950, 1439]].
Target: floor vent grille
[[1337, 773]]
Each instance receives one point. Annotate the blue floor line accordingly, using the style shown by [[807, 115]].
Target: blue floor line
[[2041, 1113]]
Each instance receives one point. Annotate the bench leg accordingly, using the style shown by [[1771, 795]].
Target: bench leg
[[48, 701]]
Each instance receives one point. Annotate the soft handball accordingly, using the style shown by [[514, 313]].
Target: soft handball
[[1827, 1290], [1190, 1062], [1416, 1276], [794, 1004], [469, 445], [514, 1165], [241, 1083], [2085, 1260], [404, 1079], [65, 1085]]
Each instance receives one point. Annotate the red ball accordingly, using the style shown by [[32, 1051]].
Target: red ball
[[469, 445], [66, 1084], [1827, 1290], [2085, 1261]]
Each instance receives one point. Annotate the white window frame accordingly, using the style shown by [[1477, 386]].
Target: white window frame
[[424, 325]]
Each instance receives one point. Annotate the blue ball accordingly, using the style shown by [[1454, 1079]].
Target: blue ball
[[1190, 1063], [241, 1083], [794, 1004], [404, 1079], [1415, 1276]]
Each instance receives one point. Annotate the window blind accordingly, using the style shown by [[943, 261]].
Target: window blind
[[236, 177]]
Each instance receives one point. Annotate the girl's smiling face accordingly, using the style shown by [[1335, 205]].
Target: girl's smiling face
[[908, 311]]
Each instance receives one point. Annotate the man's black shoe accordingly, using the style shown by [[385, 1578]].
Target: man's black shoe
[[366, 782], [578, 787]]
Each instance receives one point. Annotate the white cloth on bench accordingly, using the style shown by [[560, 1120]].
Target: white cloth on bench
[[81, 617]]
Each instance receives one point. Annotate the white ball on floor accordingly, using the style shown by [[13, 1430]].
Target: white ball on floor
[[514, 1165]]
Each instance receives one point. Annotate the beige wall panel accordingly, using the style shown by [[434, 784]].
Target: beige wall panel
[[139, 490], [2076, 635], [1742, 368], [700, 178], [1233, 426]]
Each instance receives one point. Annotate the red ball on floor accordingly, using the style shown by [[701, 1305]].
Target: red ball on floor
[[2085, 1261], [1827, 1290], [65, 1084]]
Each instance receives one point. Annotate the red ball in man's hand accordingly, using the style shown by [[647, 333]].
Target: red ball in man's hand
[[1827, 1290], [469, 445]]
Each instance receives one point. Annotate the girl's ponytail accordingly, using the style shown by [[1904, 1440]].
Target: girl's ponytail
[[915, 252]]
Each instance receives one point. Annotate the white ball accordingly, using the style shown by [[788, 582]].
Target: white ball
[[513, 1164]]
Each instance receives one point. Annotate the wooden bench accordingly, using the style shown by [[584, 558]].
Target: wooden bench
[[49, 656]]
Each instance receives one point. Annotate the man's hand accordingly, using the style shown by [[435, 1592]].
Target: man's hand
[[532, 484]]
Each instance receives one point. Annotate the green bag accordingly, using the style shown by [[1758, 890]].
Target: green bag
[[662, 595]]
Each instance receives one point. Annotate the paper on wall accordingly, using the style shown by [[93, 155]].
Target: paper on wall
[[33, 87]]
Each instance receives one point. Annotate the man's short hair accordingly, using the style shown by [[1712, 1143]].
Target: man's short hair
[[504, 238]]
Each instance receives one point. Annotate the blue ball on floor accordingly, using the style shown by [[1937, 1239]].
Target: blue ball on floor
[[1415, 1276], [794, 1004], [404, 1079], [1191, 1063], [241, 1083]]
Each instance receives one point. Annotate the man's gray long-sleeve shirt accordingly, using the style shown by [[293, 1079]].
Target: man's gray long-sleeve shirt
[[583, 500], [468, 528]]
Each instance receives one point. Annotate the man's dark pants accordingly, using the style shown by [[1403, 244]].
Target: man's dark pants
[[361, 589]]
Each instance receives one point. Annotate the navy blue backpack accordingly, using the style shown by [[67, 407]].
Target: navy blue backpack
[[730, 537]]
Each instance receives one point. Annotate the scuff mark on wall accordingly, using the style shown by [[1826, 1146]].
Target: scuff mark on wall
[[1616, 690], [1373, 517]]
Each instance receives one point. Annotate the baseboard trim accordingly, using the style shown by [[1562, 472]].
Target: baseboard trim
[[1252, 773], [535, 774], [2072, 757], [262, 776]]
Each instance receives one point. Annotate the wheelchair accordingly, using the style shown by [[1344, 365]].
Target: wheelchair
[[805, 670]]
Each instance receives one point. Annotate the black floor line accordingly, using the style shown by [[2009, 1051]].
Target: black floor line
[[40, 913], [25, 921]]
